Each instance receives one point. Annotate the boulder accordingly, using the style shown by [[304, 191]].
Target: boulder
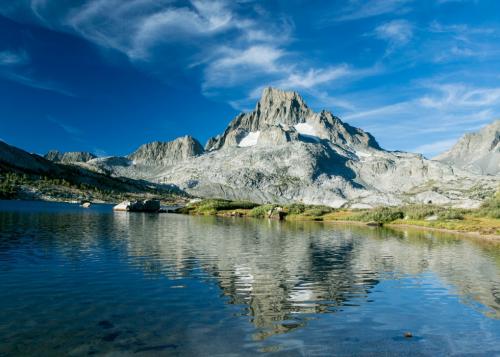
[[138, 206]]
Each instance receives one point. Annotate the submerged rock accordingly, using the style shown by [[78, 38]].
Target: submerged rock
[[138, 206]]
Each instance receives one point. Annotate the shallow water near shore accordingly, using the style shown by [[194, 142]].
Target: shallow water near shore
[[76, 281]]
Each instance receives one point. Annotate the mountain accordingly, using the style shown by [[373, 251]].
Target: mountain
[[69, 157], [477, 152], [12, 158], [283, 117], [283, 151], [167, 153], [52, 180]]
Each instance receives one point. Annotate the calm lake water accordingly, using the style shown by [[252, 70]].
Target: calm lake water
[[77, 281]]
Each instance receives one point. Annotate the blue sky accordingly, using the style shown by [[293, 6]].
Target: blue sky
[[109, 75]]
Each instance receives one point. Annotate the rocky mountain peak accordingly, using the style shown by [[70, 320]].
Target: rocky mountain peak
[[69, 157], [281, 107], [167, 153], [282, 116], [53, 155], [478, 152]]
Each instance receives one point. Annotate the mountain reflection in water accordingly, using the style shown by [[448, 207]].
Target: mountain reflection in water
[[281, 277], [281, 269]]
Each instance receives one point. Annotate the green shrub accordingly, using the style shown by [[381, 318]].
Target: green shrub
[[490, 208], [450, 214], [295, 208], [212, 206], [261, 211], [317, 211], [380, 215], [419, 212]]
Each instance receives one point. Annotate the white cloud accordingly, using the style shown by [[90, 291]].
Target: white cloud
[[175, 24], [232, 67], [263, 57], [396, 32]]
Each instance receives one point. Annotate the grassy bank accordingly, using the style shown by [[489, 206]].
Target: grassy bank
[[484, 220]]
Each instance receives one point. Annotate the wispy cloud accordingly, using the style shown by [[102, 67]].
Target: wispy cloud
[[234, 43], [313, 81], [13, 58], [137, 27], [452, 95], [453, 1], [45, 85], [232, 66], [396, 32], [434, 148], [358, 10], [71, 130], [314, 76], [432, 112], [14, 67], [397, 108]]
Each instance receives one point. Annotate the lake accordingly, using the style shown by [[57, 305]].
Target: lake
[[77, 281]]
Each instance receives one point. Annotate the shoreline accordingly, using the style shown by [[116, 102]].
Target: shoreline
[[226, 214], [400, 226], [472, 234]]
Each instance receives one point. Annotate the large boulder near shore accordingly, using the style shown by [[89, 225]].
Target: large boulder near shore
[[138, 206]]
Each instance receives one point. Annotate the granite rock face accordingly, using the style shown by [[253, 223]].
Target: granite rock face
[[69, 157], [287, 110], [166, 153], [477, 152], [284, 152]]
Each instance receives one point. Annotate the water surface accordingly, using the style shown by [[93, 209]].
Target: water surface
[[77, 281]]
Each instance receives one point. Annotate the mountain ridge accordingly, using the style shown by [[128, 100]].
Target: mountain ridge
[[283, 152], [478, 152]]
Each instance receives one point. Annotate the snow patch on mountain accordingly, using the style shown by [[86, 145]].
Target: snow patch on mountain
[[250, 140], [307, 130]]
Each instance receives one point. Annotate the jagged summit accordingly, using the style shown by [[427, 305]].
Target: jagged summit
[[167, 153], [477, 152], [277, 106], [283, 116]]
